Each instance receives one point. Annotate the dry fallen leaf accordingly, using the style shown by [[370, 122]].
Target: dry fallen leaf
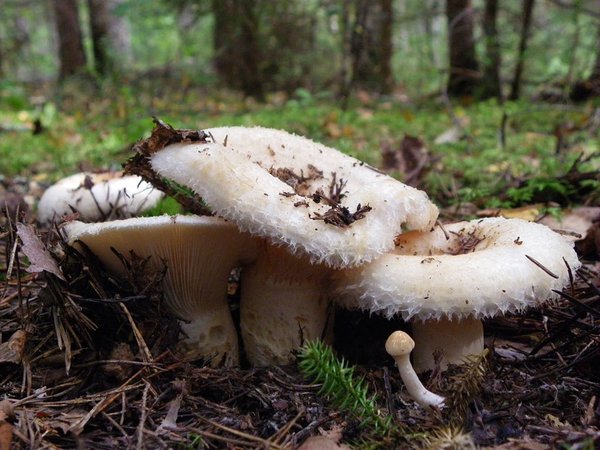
[[527, 212], [322, 443], [411, 158], [39, 258], [11, 351], [6, 433], [6, 429], [577, 221]]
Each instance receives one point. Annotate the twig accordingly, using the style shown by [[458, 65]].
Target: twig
[[138, 336], [541, 266], [241, 434], [285, 429], [140, 430]]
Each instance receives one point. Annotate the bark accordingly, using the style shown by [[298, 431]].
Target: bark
[[70, 45], [111, 39], [464, 68], [584, 89], [515, 91], [236, 50], [371, 45], [490, 86], [387, 48]]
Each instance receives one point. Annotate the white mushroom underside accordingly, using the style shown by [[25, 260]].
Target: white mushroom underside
[[242, 191], [419, 280], [199, 253]]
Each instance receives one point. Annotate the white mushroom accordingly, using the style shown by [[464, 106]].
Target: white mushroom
[[315, 202], [199, 252], [97, 197], [399, 345], [285, 199], [445, 281]]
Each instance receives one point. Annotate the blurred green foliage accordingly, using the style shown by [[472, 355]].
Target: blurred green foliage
[[96, 129]]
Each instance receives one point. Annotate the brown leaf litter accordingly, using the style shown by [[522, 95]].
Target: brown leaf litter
[[86, 361]]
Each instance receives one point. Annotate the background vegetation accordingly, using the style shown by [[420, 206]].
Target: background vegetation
[[312, 67], [484, 104]]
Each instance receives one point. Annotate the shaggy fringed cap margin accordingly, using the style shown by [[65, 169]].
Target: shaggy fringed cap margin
[[478, 269], [308, 197]]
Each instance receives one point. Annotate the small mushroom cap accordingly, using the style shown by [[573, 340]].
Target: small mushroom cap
[[97, 196], [247, 184], [478, 268], [399, 344]]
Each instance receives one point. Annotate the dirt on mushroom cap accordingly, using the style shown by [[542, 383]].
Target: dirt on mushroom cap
[[373, 210], [422, 278]]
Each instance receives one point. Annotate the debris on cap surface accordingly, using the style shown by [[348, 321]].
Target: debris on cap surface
[[97, 197], [324, 204], [478, 268]]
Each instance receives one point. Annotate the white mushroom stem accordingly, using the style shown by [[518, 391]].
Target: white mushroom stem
[[452, 339], [284, 303], [399, 345]]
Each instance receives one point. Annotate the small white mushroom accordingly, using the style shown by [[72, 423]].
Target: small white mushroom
[[97, 197], [399, 345]]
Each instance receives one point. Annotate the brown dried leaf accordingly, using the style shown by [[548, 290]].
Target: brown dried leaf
[[322, 443], [411, 159], [6, 409], [39, 258], [11, 351], [6, 434], [164, 134], [6, 429]]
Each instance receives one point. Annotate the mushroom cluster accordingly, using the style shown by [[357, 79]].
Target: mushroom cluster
[[311, 225]]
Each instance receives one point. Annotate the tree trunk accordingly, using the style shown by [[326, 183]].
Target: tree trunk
[[490, 86], [464, 69], [70, 45], [236, 50], [371, 45], [386, 48], [515, 91], [584, 89], [111, 40]]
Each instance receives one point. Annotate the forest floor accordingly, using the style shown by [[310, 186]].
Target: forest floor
[[85, 361]]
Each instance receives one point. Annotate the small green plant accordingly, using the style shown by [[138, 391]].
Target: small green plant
[[340, 386]]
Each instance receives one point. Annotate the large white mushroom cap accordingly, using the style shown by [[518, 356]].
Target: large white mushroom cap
[[272, 184], [97, 196], [478, 269]]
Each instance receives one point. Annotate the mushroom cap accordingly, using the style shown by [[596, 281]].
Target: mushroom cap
[[399, 343], [269, 186], [199, 252], [485, 267], [108, 195]]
